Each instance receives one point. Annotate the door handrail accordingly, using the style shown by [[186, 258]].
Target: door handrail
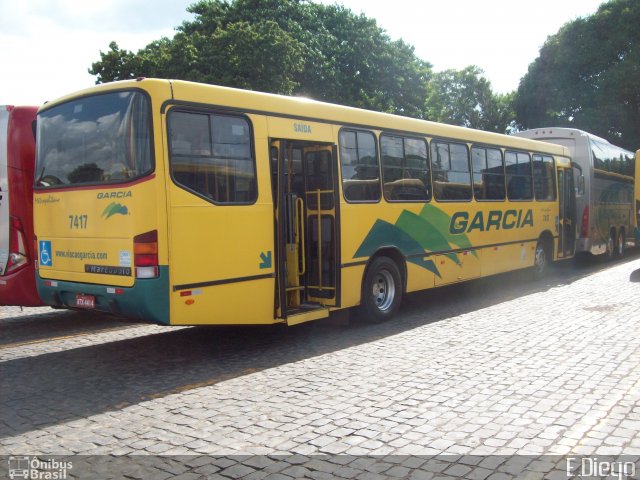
[[299, 234]]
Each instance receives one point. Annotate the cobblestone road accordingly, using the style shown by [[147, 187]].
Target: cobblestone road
[[503, 371]]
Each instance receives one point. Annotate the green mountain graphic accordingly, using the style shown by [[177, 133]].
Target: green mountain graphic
[[114, 208], [416, 235]]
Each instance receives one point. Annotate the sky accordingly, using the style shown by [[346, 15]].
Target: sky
[[47, 46]]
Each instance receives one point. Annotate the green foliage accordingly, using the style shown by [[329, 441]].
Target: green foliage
[[325, 52], [87, 172], [283, 46], [464, 97], [243, 65], [116, 64], [587, 77]]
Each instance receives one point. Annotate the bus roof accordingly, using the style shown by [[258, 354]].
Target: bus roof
[[313, 110], [565, 132]]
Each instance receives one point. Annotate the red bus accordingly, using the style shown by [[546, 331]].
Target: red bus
[[17, 160]]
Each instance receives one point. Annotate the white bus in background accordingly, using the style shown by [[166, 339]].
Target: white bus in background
[[605, 195]]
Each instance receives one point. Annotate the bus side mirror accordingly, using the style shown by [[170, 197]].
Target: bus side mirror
[[580, 185]]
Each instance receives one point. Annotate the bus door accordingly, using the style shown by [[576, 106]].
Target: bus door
[[566, 224], [306, 203]]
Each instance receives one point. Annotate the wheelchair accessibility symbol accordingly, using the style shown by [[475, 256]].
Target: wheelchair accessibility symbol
[[45, 253]]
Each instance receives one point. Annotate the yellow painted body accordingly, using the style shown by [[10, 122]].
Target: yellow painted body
[[217, 254], [81, 234], [505, 250]]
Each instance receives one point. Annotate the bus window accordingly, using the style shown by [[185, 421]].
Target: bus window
[[543, 177], [519, 179], [99, 139], [405, 171], [359, 164], [210, 155], [451, 172], [488, 174], [610, 158]]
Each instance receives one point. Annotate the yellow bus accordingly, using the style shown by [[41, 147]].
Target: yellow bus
[[184, 204]]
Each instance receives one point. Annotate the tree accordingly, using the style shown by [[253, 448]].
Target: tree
[[87, 172], [464, 97], [586, 77], [283, 46]]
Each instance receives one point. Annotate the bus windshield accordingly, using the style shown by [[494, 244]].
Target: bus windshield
[[94, 140]]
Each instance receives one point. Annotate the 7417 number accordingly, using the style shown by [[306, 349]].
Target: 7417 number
[[77, 221]]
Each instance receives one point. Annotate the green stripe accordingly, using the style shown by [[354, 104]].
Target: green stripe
[[148, 299]]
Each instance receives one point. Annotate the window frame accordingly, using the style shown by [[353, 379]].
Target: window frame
[[428, 162], [553, 177], [209, 113], [517, 152], [473, 172], [377, 156], [450, 142], [624, 159], [109, 183]]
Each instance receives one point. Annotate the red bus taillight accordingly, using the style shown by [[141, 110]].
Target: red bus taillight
[[18, 256], [145, 254], [584, 227]]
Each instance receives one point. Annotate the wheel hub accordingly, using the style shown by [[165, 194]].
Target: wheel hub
[[383, 290]]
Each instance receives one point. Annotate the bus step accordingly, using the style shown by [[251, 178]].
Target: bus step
[[300, 315], [305, 307]]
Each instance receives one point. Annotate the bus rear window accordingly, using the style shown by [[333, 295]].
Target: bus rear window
[[93, 140]]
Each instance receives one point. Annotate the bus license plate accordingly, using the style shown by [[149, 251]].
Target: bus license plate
[[85, 301]]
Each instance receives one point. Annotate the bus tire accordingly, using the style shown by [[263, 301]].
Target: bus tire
[[541, 258], [620, 247], [381, 291]]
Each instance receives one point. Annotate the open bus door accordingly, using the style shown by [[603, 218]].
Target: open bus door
[[306, 203], [566, 224]]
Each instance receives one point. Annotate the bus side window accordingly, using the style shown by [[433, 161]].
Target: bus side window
[[488, 173], [211, 156], [543, 177], [405, 169], [451, 171], [359, 165], [519, 176]]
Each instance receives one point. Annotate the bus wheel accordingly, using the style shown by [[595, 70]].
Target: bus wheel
[[620, 249], [611, 245], [541, 259], [381, 291]]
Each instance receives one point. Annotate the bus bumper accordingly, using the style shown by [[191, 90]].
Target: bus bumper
[[147, 300]]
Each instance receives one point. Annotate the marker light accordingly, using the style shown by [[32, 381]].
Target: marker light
[[145, 255]]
